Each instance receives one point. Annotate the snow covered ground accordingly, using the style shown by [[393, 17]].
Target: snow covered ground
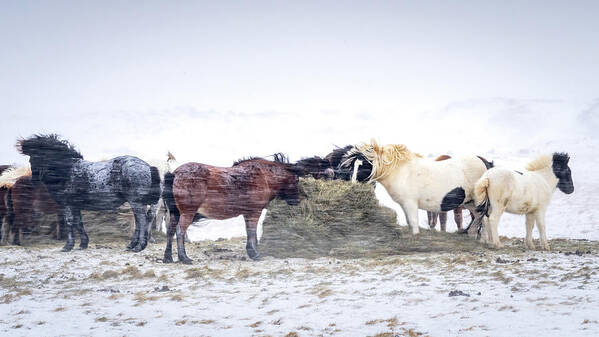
[[105, 291]]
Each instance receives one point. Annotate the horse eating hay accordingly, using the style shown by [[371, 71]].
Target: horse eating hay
[[417, 183], [76, 184], [501, 190], [225, 192]]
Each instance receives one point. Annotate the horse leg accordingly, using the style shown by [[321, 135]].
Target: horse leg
[[493, 222], [540, 217], [82, 234], [59, 225], [432, 219], [457, 217], [443, 221], [136, 229], [69, 220], [184, 221], [150, 219], [139, 211], [411, 212], [251, 247], [170, 232], [530, 223]]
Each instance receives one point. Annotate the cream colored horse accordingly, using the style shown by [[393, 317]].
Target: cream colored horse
[[418, 183], [501, 190]]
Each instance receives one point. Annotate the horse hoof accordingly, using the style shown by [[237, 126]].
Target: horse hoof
[[167, 259], [137, 249], [253, 254], [83, 246], [66, 248], [185, 260]]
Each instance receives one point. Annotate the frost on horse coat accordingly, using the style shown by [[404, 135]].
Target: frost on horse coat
[[502, 190], [76, 184], [417, 183]]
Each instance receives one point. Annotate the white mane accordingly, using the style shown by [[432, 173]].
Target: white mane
[[11, 175], [540, 163]]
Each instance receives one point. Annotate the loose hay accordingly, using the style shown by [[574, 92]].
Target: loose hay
[[341, 219], [334, 218]]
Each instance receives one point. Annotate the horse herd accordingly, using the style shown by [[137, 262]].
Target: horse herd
[[59, 181]]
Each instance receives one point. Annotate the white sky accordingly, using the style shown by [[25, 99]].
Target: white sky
[[214, 81]]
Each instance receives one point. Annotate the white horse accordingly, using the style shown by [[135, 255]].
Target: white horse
[[417, 183], [501, 190]]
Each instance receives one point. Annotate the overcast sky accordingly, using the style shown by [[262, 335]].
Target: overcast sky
[[213, 81]]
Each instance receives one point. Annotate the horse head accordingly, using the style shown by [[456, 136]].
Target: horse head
[[50, 157], [354, 165], [562, 172]]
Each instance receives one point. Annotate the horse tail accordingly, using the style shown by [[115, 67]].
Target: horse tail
[[481, 196], [167, 194], [154, 194]]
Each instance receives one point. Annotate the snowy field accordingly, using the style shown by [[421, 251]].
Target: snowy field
[[105, 291]]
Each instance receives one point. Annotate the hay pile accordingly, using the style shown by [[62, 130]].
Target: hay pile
[[335, 218]]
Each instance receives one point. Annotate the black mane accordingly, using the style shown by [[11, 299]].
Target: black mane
[[279, 157], [336, 156], [560, 159], [42, 144]]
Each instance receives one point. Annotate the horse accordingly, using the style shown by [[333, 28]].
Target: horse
[[442, 216], [225, 192], [76, 184], [417, 183], [502, 190], [329, 167], [25, 201], [3, 205]]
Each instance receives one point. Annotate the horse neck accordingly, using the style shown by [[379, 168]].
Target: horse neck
[[547, 175]]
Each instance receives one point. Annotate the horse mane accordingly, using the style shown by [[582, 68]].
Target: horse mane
[[278, 157], [336, 157], [10, 176], [40, 144], [539, 163], [383, 158]]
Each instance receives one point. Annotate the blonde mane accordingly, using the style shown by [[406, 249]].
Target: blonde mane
[[540, 163], [11, 175], [385, 158]]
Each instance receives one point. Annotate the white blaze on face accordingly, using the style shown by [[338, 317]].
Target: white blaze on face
[[354, 175]]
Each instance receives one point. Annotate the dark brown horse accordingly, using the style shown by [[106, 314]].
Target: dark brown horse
[[29, 202], [3, 200], [24, 203], [220, 193]]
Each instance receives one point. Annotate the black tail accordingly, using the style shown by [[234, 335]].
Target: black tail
[[483, 210], [154, 194], [167, 194]]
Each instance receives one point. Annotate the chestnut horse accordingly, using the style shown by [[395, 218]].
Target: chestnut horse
[[225, 192]]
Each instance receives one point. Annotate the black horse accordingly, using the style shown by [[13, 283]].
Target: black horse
[[77, 184], [330, 167]]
